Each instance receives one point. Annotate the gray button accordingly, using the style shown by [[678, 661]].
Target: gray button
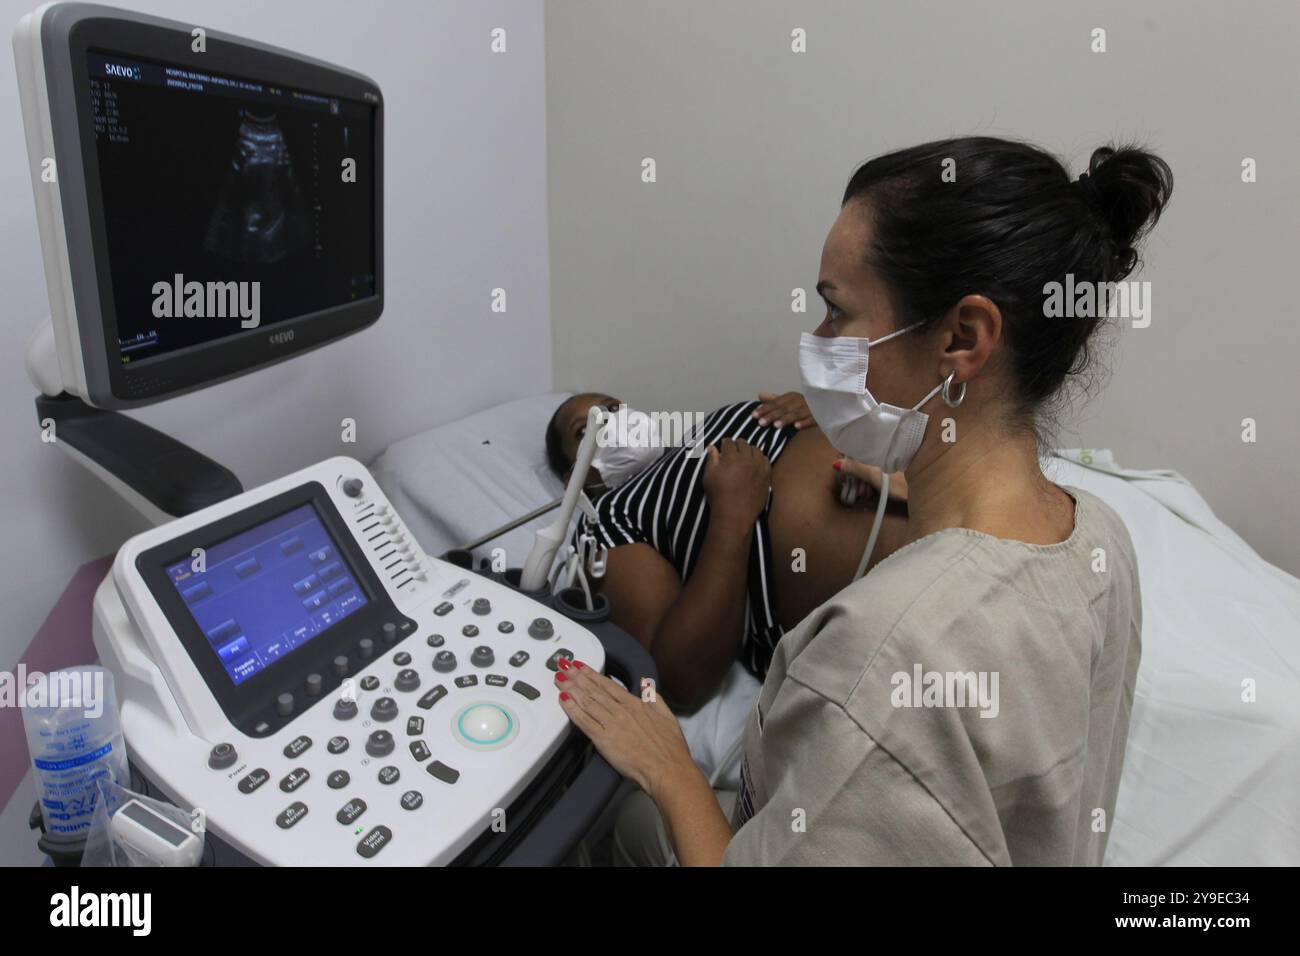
[[366, 648], [338, 779], [414, 726], [431, 697], [294, 779], [384, 709], [291, 815], [284, 704], [553, 662], [351, 810], [518, 658], [407, 680], [374, 841], [369, 682], [388, 633], [446, 607], [297, 747], [380, 744], [505, 627], [222, 756], [482, 656], [481, 606], [542, 629], [337, 745], [352, 487], [443, 772], [389, 775], [527, 690], [340, 666], [345, 708], [315, 684], [467, 680], [435, 640], [444, 662], [254, 780], [412, 799], [420, 750], [470, 630], [497, 680], [401, 658]]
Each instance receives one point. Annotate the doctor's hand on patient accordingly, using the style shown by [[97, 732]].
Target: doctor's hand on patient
[[638, 736], [782, 410]]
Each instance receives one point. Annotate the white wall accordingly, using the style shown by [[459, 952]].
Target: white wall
[[465, 211], [676, 295]]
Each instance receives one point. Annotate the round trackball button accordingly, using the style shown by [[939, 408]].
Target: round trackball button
[[485, 726]]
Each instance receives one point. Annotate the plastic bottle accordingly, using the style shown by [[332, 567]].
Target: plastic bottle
[[74, 736]]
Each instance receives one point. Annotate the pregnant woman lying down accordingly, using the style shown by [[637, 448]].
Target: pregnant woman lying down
[[713, 556]]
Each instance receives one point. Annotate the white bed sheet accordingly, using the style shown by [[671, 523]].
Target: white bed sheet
[[1208, 778]]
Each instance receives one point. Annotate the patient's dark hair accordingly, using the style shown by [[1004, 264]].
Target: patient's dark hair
[[1012, 221], [555, 457]]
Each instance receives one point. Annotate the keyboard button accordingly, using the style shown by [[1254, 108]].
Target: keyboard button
[[297, 747], [431, 697], [254, 780], [527, 690], [294, 779], [374, 841], [351, 810], [291, 815], [443, 772]]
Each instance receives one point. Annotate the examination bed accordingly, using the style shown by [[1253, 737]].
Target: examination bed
[[1212, 770]]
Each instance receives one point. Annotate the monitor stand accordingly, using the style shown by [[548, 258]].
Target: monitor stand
[[159, 476]]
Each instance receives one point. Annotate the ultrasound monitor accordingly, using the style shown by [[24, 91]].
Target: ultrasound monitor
[[207, 205]]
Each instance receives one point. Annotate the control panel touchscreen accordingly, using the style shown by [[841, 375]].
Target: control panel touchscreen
[[258, 595]]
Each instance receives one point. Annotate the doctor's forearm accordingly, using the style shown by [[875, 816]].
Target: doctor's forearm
[[697, 828], [697, 639]]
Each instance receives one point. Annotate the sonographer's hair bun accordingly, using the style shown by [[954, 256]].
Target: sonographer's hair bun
[[1130, 187]]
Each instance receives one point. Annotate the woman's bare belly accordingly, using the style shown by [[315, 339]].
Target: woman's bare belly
[[806, 514]]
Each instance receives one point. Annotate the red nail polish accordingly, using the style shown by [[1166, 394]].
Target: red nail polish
[[562, 664], [836, 466], [564, 697], [579, 665], [561, 676]]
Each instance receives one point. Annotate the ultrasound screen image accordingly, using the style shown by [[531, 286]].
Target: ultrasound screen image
[[217, 180]]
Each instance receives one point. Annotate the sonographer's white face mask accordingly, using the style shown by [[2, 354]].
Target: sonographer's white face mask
[[628, 443], [834, 372]]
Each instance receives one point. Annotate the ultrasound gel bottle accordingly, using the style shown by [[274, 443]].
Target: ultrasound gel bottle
[[74, 736]]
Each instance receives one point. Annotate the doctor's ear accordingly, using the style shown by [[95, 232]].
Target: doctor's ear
[[974, 330]]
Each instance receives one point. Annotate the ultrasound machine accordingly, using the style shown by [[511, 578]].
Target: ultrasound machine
[[287, 659]]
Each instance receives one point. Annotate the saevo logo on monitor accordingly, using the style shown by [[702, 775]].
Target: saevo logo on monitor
[[281, 338], [122, 70]]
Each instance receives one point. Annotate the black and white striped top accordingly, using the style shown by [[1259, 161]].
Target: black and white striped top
[[665, 506]]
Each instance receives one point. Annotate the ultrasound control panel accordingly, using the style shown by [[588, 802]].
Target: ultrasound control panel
[[293, 667]]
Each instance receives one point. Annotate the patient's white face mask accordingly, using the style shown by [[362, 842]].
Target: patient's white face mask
[[628, 443], [834, 372]]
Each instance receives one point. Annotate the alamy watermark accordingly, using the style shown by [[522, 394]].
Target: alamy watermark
[[208, 300], [1095, 300], [922, 688], [83, 690]]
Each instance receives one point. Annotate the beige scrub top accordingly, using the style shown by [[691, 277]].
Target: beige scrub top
[[965, 703]]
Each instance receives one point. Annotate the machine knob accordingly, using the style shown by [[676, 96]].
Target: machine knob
[[444, 662], [222, 756], [407, 680], [340, 666], [284, 704], [314, 682], [482, 656], [482, 606], [384, 709], [352, 487], [380, 744], [389, 632], [366, 648], [541, 628], [345, 709]]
